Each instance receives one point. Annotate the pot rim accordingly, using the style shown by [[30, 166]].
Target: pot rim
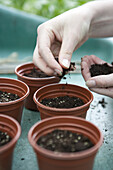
[[17, 100], [60, 109], [60, 155], [13, 141], [29, 78]]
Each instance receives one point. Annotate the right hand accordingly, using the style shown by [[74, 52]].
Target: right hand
[[59, 37]]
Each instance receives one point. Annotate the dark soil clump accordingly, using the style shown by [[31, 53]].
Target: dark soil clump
[[100, 69], [63, 102], [66, 71], [4, 138], [64, 141], [34, 73], [103, 103], [71, 68], [7, 97]]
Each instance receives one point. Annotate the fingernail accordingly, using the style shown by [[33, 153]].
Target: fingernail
[[57, 72], [65, 63], [90, 83]]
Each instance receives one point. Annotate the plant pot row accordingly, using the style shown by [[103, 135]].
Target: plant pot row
[[15, 108], [48, 159], [31, 92]]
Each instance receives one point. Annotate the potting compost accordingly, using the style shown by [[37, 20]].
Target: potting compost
[[63, 102], [6, 97], [4, 138], [100, 69], [64, 141], [34, 73]]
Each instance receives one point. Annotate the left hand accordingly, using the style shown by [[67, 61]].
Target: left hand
[[102, 84]]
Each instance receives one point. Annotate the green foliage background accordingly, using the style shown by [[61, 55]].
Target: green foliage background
[[45, 8]]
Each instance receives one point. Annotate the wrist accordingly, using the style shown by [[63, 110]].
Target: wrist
[[102, 19]]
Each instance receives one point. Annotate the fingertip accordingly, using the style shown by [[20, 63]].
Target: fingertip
[[90, 83], [58, 72], [65, 63]]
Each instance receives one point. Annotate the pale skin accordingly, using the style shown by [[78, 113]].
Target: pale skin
[[102, 84], [62, 35]]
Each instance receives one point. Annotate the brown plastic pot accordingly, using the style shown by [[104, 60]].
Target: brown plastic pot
[[55, 90], [13, 108], [51, 160], [13, 129], [33, 83]]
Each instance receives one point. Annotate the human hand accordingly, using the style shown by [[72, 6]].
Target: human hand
[[59, 37], [102, 84]]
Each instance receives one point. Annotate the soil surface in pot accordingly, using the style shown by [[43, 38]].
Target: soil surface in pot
[[64, 141], [100, 69], [4, 138], [34, 73], [63, 102], [7, 97]]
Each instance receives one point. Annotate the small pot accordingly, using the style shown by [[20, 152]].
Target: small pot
[[82, 160], [33, 83], [13, 129], [13, 108], [55, 90]]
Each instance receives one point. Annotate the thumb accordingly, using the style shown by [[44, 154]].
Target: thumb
[[100, 81], [66, 51]]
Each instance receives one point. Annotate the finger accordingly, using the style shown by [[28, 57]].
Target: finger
[[55, 48], [41, 64], [85, 70], [92, 59], [45, 39], [103, 91], [67, 48], [100, 81], [97, 60]]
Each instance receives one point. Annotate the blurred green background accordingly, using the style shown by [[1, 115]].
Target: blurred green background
[[45, 8]]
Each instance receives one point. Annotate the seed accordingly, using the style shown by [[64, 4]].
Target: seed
[[7, 136], [76, 141], [49, 142], [62, 135], [3, 141], [70, 135], [58, 137], [79, 137], [85, 143]]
